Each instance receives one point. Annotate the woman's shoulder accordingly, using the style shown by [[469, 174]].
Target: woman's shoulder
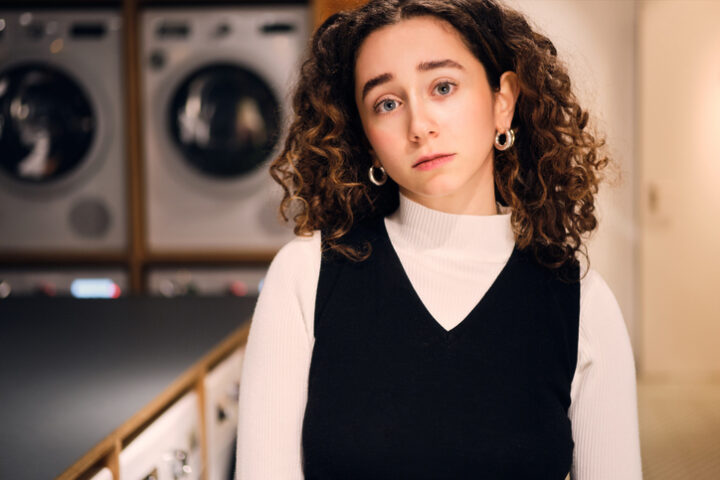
[[602, 324], [300, 244], [594, 291], [288, 291], [298, 255]]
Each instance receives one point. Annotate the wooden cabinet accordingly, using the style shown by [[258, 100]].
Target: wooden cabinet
[[192, 435]]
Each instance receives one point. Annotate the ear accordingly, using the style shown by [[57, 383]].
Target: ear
[[375, 159], [505, 100]]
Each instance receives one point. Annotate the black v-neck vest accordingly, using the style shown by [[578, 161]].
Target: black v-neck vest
[[393, 395]]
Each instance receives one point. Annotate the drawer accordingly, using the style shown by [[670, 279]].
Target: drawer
[[169, 448], [222, 387]]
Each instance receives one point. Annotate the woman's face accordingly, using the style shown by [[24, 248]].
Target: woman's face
[[420, 92]]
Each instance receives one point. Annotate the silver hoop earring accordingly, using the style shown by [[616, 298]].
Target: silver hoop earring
[[374, 180], [509, 140]]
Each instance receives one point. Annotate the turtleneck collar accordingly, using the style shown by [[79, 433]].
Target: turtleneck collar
[[478, 237]]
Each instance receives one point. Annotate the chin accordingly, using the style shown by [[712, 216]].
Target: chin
[[438, 189]]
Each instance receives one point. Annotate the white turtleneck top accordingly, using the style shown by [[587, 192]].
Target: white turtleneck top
[[451, 261]]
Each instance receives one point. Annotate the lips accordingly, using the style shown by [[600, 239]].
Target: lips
[[432, 156]]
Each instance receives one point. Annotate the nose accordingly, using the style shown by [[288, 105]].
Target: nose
[[422, 124]]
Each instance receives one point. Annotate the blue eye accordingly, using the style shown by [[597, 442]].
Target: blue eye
[[449, 86], [384, 102]]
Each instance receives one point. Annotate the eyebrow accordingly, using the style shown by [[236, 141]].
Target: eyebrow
[[422, 67]]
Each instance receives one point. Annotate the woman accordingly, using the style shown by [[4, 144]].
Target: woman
[[431, 319]]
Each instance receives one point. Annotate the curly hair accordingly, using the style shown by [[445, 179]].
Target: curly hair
[[549, 179]]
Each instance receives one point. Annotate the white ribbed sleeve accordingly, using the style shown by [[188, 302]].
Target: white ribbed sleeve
[[273, 389], [275, 371], [603, 407]]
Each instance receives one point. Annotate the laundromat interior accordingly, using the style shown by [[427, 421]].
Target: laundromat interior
[[138, 219]]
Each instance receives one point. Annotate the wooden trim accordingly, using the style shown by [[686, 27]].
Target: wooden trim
[[324, 8], [200, 391], [205, 3], [219, 258], [140, 258], [189, 380], [26, 259], [30, 4], [133, 132], [113, 461], [33, 260]]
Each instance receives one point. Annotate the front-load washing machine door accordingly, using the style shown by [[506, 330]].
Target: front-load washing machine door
[[225, 120], [47, 123]]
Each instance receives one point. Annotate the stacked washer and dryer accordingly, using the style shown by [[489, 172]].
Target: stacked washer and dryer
[[216, 106], [62, 157]]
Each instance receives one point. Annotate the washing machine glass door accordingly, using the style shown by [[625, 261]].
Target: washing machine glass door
[[47, 123], [224, 119]]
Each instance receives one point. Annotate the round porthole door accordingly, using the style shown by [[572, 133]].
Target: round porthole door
[[225, 120], [47, 124]]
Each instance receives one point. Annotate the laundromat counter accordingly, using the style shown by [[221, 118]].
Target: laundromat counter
[[81, 378]]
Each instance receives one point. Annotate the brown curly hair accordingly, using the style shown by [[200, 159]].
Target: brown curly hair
[[549, 178]]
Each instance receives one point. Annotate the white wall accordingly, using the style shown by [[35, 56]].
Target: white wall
[[679, 132]]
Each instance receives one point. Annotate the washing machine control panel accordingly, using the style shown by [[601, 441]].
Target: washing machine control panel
[[78, 283], [208, 281]]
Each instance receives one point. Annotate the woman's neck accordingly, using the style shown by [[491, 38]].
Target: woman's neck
[[468, 202], [487, 237]]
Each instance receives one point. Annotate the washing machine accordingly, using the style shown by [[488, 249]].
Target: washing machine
[[216, 88], [62, 159], [168, 448]]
